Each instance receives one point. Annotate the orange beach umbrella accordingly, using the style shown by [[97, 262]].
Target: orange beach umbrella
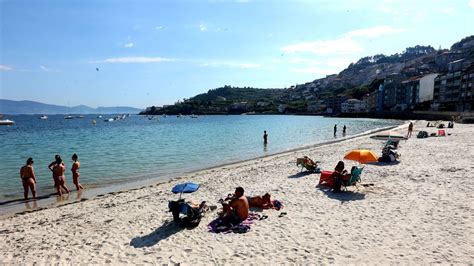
[[361, 156]]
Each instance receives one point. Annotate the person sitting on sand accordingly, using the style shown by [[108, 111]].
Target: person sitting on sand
[[260, 201], [75, 174], [58, 174], [28, 178], [236, 210], [340, 175]]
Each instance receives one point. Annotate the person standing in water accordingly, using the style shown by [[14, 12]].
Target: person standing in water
[[50, 167], [265, 137], [58, 174], [28, 178], [75, 174], [335, 129], [344, 130]]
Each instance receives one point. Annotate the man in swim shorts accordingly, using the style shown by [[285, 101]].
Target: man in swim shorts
[[237, 210]]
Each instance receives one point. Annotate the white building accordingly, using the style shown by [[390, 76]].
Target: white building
[[353, 106], [426, 88]]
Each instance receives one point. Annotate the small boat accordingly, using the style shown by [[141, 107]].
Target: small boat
[[43, 117], [80, 116], [99, 116], [6, 122], [194, 116], [109, 120], [68, 117]]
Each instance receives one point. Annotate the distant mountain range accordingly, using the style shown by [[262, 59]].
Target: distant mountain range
[[31, 107]]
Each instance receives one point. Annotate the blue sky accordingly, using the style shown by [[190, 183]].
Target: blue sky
[[158, 52]]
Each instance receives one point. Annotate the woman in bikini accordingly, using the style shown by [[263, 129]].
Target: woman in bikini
[[28, 178], [50, 167], [75, 174], [58, 174]]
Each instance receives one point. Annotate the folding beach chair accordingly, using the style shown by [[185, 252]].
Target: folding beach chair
[[355, 177], [309, 167]]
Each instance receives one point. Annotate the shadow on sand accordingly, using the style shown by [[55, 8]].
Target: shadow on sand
[[385, 163], [166, 230], [342, 196], [300, 174]]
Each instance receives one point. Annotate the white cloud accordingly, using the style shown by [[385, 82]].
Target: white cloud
[[128, 45], [231, 64], [300, 60], [471, 3], [5, 68], [202, 27], [158, 27], [338, 62], [315, 70], [139, 59], [46, 69], [373, 32], [325, 47], [448, 10]]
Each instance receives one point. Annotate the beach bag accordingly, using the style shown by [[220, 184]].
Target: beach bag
[[422, 135]]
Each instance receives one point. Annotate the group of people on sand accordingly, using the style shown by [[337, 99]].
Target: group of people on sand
[[235, 208], [57, 167]]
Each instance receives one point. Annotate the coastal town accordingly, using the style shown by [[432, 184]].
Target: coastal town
[[420, 82]]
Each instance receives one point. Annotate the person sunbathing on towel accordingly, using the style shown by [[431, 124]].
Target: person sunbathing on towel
[[236, 210], [260, 201]]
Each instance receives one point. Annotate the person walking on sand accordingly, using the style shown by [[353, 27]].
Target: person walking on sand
[[335, 129], [265, 137], [75, 174], [58, 174], [344, 130], [410, 130], [28, 178]]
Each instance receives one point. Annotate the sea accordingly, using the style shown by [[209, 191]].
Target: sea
[[139, 149]]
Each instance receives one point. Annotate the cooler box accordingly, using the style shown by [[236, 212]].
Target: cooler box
[[326, 178]]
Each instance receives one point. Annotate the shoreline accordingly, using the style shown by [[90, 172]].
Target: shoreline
[[418, 211], [92, 193]]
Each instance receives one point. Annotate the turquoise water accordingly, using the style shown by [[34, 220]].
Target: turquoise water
[[138, 148]]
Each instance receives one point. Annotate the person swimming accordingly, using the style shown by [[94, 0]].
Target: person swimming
[[58, 174], [75, 174], [28, 178]]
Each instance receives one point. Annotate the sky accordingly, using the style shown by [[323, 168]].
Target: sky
[[143, 53]]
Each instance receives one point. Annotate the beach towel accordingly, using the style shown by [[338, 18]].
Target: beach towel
[[277, 205], [241, 228]]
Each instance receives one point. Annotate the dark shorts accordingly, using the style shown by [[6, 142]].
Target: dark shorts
[[231, 219]]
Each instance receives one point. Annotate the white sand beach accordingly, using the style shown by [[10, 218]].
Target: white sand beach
[[418, 211]]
